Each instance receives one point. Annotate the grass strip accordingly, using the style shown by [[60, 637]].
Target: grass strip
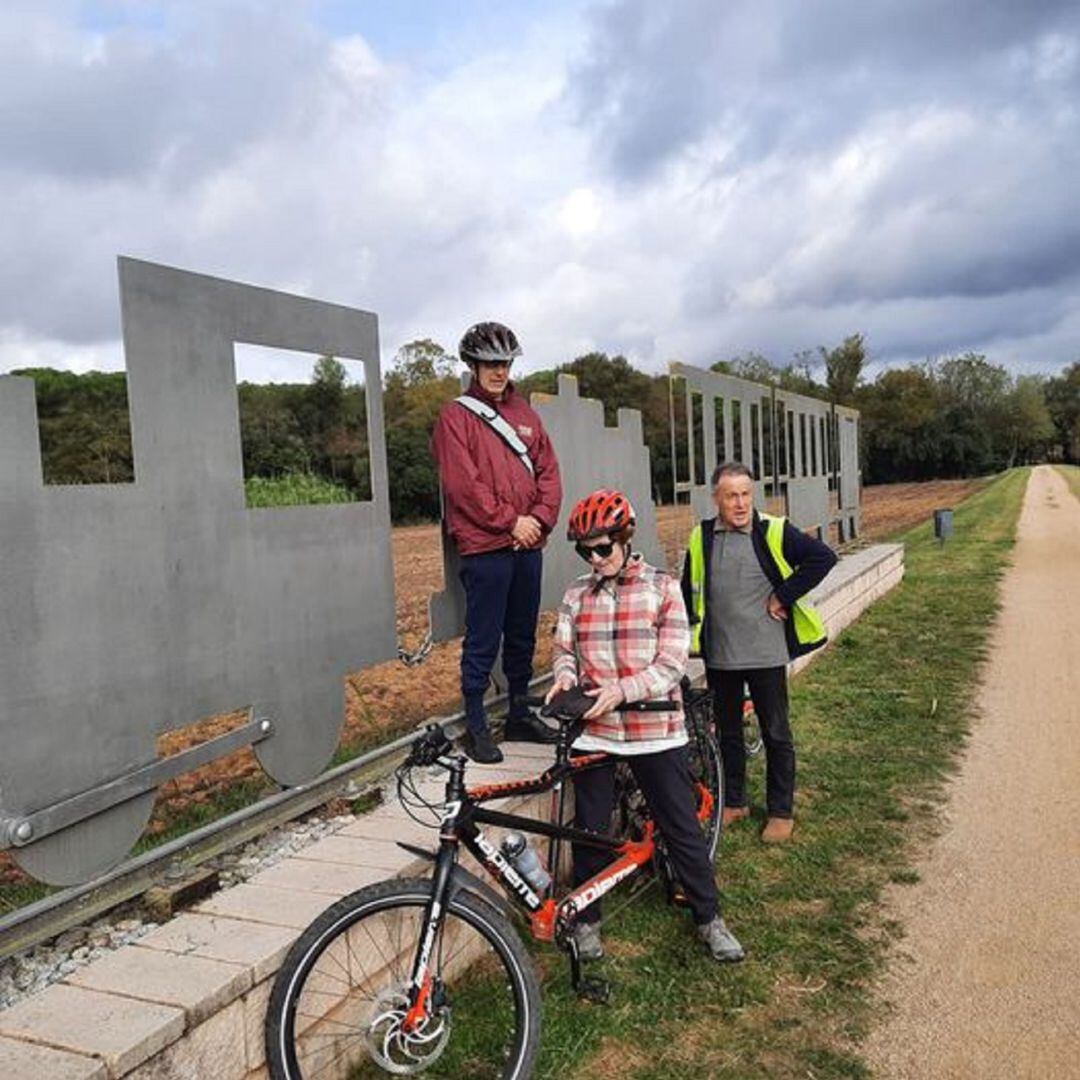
[[880, 721], [1072, 477]]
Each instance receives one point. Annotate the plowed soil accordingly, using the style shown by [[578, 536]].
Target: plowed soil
[[391, 698]]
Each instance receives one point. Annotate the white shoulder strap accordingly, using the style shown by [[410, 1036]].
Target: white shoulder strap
[[499, 424]]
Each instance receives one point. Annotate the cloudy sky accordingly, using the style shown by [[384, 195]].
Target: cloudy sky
[[683, 180]]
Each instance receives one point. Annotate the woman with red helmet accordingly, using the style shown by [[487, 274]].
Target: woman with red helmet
[[623, 635]]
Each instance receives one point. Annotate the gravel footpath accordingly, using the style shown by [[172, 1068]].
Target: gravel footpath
[[988, 981]]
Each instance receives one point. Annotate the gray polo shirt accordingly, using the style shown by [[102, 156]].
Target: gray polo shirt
[[741, 634]]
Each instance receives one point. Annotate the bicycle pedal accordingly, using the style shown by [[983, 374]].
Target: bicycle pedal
[[679, 899], [594, 990]]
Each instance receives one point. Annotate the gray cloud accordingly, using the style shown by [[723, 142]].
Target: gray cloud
[[773, 76], [700, 180]]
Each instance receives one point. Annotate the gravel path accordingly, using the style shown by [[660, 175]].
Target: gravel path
[[988, 981]]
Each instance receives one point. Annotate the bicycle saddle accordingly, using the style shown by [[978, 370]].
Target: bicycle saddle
[[569, 705]]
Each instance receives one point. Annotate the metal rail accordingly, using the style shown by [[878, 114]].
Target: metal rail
[[68, 908]]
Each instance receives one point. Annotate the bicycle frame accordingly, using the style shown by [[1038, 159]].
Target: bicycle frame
[[546, 915], [549, 918]]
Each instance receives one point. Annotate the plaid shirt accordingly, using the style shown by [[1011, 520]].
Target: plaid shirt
[[633, 630]]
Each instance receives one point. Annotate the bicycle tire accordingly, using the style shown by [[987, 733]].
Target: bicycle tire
[[631, 812], [346, 1038], [752, 740], [706, 766]]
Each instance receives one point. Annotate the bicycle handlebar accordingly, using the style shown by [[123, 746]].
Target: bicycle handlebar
[[429, 747], [626, 706], [433, 744]]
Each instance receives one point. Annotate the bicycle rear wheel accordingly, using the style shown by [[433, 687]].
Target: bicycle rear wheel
[[338, 1004], [706, 768], [751, 730]]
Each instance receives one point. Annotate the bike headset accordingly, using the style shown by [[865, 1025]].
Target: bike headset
[[604, 512]]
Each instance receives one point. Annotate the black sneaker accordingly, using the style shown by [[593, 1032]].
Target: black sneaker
[[480, 747], [528, 727]]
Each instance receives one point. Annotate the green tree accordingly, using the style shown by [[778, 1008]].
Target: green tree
[[610, 379], [902, 417], [1031, 428], [423, 379], [796, 376], [84, 426], [1063, 402], [976, 433], [843, 368]]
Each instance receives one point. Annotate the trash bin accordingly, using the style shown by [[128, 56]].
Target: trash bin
[[943, 524]]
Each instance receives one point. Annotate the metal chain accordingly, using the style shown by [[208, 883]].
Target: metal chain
[[411, 659]]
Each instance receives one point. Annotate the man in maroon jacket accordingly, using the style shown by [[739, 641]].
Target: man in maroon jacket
[[501, 492]]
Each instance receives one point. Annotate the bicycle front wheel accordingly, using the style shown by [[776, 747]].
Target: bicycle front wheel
[[337, 1010]]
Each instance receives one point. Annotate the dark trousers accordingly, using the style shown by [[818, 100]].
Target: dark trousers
[[502, 602], [768, 691], [665, 782]]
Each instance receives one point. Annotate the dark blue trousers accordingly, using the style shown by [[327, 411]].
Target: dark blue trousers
[[502, 602]]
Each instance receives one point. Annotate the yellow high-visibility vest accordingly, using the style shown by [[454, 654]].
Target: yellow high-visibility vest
[[807, 625]]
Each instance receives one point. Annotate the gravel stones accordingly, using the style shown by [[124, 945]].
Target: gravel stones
[[35, 969]]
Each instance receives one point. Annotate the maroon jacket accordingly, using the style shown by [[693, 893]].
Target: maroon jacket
[[486, 488]]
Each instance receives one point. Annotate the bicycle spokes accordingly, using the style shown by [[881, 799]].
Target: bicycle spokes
[[355, 1016]]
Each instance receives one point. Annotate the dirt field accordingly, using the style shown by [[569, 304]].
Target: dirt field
[[986, 982], [391, 697]]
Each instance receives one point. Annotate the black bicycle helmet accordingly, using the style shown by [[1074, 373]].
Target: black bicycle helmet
[[489, 341]]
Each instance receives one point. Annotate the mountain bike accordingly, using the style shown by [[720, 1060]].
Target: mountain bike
[[429, 975]]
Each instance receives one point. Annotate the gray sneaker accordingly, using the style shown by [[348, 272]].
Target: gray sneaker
[[589, 945], [721, 942]]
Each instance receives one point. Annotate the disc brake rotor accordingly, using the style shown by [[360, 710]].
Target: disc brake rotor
[[396, 1050]]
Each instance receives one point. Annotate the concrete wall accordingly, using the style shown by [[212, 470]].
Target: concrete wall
[[131, 610], [804, 452]]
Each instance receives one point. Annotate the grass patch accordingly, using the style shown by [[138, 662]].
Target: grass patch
[[294, 489], [1072, 477], [19, 892], [880, 721], [218, 803]]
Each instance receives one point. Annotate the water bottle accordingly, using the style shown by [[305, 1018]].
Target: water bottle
[[526, 862]]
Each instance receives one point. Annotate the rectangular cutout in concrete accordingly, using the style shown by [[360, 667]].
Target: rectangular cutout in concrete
[[84, 427], [305, 439]]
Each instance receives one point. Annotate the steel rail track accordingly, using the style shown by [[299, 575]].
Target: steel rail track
[[52, 915]]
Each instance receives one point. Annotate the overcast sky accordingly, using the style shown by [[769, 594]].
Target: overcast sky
[[681, 180]]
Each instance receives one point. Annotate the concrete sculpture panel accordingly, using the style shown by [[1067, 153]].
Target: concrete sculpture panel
[[804, 452], [590, 456], [131, 610]]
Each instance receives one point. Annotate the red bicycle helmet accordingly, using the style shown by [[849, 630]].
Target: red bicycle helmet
[[604, 512]]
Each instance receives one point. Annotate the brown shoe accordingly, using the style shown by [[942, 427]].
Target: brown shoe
[[778, 830], [734, 813]]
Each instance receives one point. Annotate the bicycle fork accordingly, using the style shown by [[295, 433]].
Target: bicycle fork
[[424, 990]]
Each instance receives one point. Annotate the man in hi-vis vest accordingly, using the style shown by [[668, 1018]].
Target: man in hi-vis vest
[[501, 498], [744, 577]]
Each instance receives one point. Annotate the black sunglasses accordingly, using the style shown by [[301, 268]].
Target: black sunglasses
[[587, 553], [505, 364]]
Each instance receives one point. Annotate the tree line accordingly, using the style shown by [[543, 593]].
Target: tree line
[[948, 417]]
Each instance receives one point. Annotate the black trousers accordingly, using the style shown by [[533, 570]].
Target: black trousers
[[664, 779], [768, 691]]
